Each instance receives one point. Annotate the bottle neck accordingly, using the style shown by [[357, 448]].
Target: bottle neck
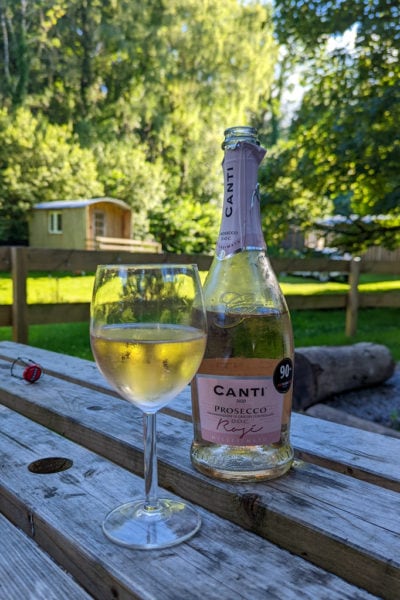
[[241, 221]]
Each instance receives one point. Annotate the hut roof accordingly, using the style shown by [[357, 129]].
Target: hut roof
[[59, 204]]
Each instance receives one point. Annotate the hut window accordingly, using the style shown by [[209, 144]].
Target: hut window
[[99, 223], [55, 222]]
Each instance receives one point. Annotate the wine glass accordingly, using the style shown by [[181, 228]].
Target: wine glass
[[148, 335]]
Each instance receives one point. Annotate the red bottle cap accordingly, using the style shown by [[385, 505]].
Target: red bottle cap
[[32, 373]]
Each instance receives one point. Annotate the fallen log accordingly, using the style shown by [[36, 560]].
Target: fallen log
[[323, 371]]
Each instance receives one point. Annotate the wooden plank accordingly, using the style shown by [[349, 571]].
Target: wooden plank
[[352, 298], [362, 454], [338, 522], [28, 572], [391, 267], [19, 267], [379, 299], [5, 315], [73, 312], [87, 260], [82, 372], [321, 442], [65, 260], [323, 411], [63, 513], [5, 258], [316, 264], [315, 302]]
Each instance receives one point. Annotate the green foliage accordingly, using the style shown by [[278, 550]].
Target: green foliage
[[127, 174], [194, 226], [148, 88], [285, 200], [39, 161], [343, 151], [130, 99]]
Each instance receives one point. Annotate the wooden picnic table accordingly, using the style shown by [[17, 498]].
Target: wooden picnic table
[[329, 529]]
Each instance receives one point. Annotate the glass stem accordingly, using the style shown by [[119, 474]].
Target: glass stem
[[150, 461]]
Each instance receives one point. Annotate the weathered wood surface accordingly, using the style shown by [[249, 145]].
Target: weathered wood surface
[[65, 260], [82, 372], [323, 443], [63, 513], [390, 299], [322, 411], [343, 524], [19, 314], [352, 304], [26, 572], [46, 259]]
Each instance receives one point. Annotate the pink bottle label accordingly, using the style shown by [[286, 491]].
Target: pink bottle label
[[239, 411], [240, 226]]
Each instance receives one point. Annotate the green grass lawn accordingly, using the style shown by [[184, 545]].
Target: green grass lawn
[[311, 328], [43, 288], [324, 327]]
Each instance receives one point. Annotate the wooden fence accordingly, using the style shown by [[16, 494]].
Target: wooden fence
[[19, 261]]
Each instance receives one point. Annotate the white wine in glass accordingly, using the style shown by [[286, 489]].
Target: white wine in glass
[[148, 335]]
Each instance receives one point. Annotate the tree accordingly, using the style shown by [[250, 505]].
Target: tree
[[125, 173], [163, 78], [193, 229], [343, 150], [187, 69], [39, 162]]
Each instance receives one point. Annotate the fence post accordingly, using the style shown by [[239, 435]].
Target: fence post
[[353, 297], [19, 273]]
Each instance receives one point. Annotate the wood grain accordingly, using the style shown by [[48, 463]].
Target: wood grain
[[320, 442], [343, 524], [63, 513], [28, 572]]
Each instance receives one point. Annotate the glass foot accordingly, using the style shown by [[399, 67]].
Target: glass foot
[[134, 526]]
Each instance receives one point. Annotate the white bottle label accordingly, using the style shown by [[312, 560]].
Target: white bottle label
[[239, 411]]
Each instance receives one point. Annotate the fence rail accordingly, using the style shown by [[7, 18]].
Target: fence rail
[[20, 261]]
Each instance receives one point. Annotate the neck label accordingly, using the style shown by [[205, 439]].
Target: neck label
[[241, 223]]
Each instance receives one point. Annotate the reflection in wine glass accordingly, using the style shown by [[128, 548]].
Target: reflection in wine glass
[[148, 336]]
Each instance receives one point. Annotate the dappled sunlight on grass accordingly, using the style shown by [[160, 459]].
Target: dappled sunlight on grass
[[380, 286], [310, 288], [49, 290]]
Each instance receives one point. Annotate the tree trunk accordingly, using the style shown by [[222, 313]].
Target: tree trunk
[[322, 371]]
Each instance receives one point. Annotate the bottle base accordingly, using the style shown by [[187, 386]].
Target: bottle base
[[242, 463]]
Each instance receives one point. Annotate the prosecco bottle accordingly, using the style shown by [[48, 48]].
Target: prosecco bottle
[[242, 393]]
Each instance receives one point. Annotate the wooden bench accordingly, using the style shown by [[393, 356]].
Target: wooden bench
[[328, 529], [28, 572]]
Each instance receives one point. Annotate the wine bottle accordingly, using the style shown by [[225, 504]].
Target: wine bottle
[[242, 393]]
